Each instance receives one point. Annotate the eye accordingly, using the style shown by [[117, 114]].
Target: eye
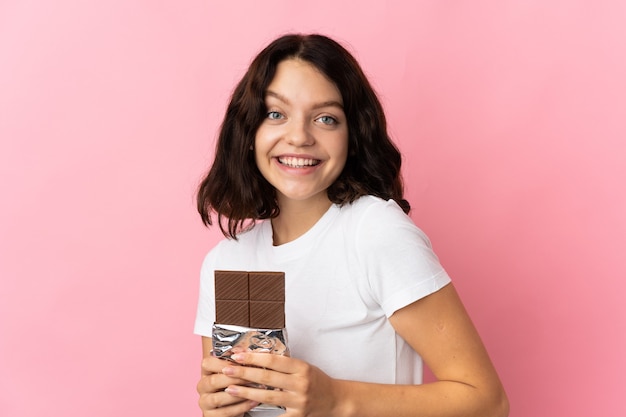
[[274, 115], [327, 120]]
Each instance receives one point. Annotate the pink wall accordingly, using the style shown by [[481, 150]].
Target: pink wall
[[510, 115]]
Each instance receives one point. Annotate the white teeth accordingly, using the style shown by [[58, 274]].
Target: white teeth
[[298, 162]]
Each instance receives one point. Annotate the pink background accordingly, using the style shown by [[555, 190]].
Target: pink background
[[511, 117]]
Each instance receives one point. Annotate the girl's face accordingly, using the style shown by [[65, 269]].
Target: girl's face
[[302, 144]]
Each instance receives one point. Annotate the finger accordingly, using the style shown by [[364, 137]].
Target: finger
[[216, 382], [211, 365], [226, 403], [284, 364], [259, 395], [261, 376]]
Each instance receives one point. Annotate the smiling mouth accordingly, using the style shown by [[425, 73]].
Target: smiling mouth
[[293, 162]]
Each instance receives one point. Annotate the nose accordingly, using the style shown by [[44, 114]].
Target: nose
[[298, 133]]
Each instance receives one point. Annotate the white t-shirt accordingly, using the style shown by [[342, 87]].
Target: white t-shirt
[[343, 278]]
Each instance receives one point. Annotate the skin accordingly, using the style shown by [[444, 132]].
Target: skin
[[437, 326], [305, 121]]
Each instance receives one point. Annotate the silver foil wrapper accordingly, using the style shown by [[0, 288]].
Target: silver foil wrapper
[[228, 340]]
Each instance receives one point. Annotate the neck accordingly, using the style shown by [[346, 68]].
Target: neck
[[296, 218]]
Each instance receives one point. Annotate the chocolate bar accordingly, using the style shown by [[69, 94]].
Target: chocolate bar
[[250, 299], [249, 316]]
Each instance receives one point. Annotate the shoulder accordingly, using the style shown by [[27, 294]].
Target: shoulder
[[371, 206], [374, 216], [231, 253], [394, 256], [376, 225]]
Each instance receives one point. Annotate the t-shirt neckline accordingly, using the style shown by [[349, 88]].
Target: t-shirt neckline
[[301, 245]]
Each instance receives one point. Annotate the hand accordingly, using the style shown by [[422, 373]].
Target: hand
[[213, 400], [302, 389]]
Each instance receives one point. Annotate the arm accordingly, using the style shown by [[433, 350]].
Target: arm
[[213, 400], [437, 327]]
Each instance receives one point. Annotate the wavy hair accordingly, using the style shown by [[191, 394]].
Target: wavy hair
[[234, 188]]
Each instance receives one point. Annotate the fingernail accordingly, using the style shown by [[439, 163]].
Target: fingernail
[[232, 390], [228, 371], [237, 357]]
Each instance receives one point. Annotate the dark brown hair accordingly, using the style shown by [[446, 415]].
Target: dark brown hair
[[234, 187]]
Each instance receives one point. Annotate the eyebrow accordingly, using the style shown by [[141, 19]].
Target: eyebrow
[[329, 103]]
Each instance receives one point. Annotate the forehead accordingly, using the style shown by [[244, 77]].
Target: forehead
[[296, 79]]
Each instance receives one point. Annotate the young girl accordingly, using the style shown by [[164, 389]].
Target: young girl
[[307, 181]]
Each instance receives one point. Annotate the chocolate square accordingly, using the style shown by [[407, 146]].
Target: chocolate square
[[234, 312], [267, 286], [231, 285], [267, 314]]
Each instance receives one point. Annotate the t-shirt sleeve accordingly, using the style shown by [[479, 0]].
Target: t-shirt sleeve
[[205, 315], [399, 263]]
